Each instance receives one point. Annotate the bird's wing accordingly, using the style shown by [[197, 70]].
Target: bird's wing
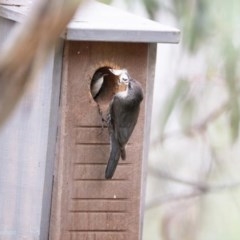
[[123, 120]]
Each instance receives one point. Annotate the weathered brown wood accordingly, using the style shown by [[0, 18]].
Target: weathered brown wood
[[97, 221], [99, 153], [113, 205], [98, 235], [101, 190], [85, 205], [96, 171], [88, 136]]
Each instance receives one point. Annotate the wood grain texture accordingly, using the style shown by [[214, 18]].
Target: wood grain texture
[[96, 171], [97, 235], [94, 205], [90, 154], [85, 205]]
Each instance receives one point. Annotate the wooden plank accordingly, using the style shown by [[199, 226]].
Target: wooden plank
[[96, 172], [152, 51], [120, 235], [88, 136], [98, 221], [61, 166], [108, 189], [52, 138], [89, 205], [83, 149], [95, 135], [90, 154]]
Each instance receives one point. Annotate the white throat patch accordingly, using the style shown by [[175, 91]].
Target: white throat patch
[[123, 94]]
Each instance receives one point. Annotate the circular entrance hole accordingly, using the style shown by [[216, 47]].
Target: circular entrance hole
[[103, 85]]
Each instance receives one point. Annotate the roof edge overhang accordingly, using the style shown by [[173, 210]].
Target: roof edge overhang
[[99, 22]]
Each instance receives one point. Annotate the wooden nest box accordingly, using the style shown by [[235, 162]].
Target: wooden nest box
[[70, 179]]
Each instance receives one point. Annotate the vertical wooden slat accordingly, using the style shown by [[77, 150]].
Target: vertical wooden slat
[[85, 205], [152, 51], [51, 141], [59, 170]]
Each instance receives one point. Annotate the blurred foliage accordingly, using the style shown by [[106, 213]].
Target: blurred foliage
[[105, 1], [151, 6], [208, 25], [176, 97], [195, 22]]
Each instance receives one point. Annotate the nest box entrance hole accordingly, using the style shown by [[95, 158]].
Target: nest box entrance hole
[[103, 86]]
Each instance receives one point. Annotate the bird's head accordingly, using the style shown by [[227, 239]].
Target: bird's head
[[122, 75]]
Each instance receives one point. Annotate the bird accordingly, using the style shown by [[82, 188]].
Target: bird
[[123, 115]]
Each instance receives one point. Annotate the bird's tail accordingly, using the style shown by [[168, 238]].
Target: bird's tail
[[113, 159]]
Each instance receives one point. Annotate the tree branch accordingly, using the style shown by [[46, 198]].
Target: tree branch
[[199, 188], [196, 128]]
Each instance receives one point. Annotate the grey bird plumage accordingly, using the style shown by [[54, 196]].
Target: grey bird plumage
[[123, 115]]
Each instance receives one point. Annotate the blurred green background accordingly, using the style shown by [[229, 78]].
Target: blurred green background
[[193, 177]]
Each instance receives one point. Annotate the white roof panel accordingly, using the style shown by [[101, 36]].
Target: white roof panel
[[99, 22]]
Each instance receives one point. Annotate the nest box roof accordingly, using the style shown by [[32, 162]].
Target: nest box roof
[[99, 22]]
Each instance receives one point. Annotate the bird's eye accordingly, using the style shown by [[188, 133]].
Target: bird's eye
[[124, 80]]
